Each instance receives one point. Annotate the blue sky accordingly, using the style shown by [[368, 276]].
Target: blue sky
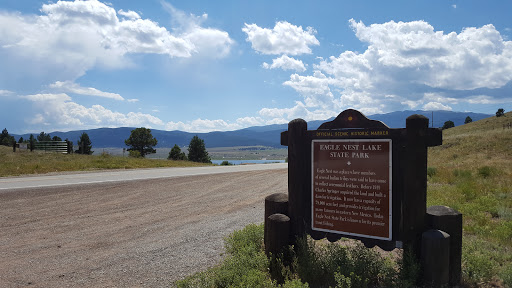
[[202, 66]]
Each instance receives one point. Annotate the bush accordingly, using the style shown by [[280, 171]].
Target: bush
[[134, 154], [485, 171], [225, 163], [431, 171]]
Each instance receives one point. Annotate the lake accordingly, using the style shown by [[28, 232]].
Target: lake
[[238, 162]]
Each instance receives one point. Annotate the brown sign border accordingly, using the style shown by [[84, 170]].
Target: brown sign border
[[390, 217]]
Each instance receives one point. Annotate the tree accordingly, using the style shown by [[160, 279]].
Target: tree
[[141, 140], [32, 142], [56, 138], [448, 124], [176, 154], [468, 120], [197, 151], [84, 145], [500, 112], [6, 139], [44, 137], [20, 140]]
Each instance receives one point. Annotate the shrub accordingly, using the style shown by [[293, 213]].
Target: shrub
[[134, 154], [431, 171], [225, 163], [485, 171]]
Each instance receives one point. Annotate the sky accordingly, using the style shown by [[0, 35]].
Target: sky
[[201, 66]]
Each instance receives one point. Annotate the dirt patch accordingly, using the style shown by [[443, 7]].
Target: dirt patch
[[132, 234]]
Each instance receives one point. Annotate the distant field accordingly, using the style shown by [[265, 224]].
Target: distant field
[[39, 162]]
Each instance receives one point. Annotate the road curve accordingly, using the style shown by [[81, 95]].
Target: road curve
[[142, 233], [126, 175]]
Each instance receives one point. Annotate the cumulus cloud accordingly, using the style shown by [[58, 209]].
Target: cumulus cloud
[[202, 125], [286, 63], [60, 112], [69, 38], [284, 38], [208, 42], [71, 87], [5, 92], [405, 65]]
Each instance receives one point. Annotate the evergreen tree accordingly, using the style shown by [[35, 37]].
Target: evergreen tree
[[56, 138], [197, 151], [6, 139], [32, 142], [44, 137], [500, 112], [141, 140], [468, 120], [176, 154], [20, 140], [84, 145], [448, 124]]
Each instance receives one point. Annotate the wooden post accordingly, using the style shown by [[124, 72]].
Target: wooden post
[[450, 221], [435, 259], [414, 206], [14, 146], [298, 189], [278, 232], [274, 204]]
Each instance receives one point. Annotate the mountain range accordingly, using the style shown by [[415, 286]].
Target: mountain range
[[268, 135]]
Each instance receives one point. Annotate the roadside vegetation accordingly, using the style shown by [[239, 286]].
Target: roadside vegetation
[[39, 162], [470, 172]]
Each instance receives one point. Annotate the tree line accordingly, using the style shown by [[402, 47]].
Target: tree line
[[141, 143]]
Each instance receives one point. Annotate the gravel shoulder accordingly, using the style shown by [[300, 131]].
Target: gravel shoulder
[[145, 233]]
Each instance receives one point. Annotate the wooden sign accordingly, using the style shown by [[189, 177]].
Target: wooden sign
[[351, 189]]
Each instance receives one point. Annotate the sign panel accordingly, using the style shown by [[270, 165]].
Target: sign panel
[[351, 187]]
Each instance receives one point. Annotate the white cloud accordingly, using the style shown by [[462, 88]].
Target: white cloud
[[70, 38], [60, 112], [132, 100], [286, 63], [454, 6], [406, 65], [208, 42], [71, 87], [5, 92], [250, 121], [129, 14], [436, 106], [202, 125], [284, 38]]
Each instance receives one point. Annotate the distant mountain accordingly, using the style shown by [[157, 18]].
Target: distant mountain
[[253, 136]]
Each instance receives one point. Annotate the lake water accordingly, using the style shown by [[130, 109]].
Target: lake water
[[238, 162]]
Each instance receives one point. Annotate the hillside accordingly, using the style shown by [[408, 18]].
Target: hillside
[[253, 136], [472, 173]]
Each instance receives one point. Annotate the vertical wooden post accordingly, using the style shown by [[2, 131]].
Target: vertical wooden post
[[435, 257], [414, 206], [450, 221], [297, 178], [278, 232], [14, 146], [275, 203]]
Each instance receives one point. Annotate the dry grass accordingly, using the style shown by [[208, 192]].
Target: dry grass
[[39, 162], [472, 172]]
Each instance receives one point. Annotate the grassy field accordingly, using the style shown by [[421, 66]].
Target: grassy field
[[471, 172], [39, 162]]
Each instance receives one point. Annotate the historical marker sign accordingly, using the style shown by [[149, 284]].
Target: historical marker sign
[[351, 187]]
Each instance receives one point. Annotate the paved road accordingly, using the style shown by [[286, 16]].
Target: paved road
[[145, 233], [125, 175]]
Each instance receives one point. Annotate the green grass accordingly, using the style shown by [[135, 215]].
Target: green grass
[[39, 162], [473, 174]]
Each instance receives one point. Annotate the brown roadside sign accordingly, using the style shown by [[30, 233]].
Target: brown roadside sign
[[351, 190]]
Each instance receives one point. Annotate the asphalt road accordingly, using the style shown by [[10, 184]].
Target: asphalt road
[[135, 233], [125, 175]]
